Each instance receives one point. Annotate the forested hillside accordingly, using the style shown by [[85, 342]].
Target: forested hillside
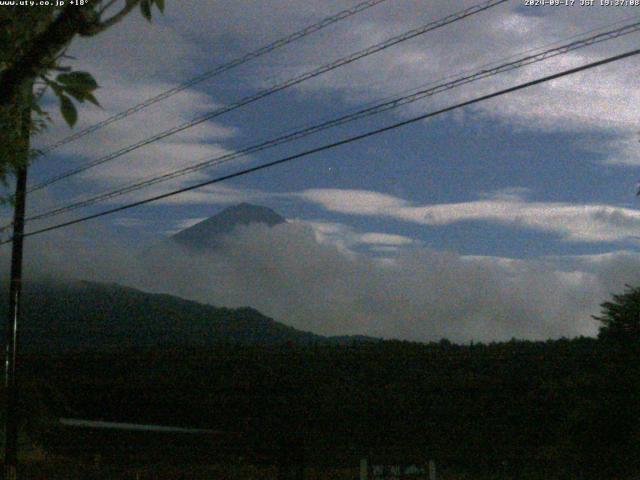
[[556, 409], [85, 316]]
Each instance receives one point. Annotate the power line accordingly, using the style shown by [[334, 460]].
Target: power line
[[493, 63], [603, 36], [373, 110], [454, 17], [325, 22], [338, 143]]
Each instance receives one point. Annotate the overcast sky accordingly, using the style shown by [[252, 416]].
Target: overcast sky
[[514, 217]]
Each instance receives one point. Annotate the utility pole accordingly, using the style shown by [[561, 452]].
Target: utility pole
[[15, 286]]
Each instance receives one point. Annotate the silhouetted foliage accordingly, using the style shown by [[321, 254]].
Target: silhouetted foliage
[[559, 409], [33, 46], [620, 317]]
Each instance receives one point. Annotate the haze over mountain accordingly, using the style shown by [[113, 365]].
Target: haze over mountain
[[62, 313], [208, 233], [70, 316], [315, 277]]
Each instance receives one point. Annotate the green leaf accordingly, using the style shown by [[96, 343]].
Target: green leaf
[[56, 87], [145, 8], [92, 99], [68, 110], [160, 5], [83, 80], [36, 108], [76, 93]]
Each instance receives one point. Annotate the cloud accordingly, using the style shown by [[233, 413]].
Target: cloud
[[375, 238], [623, 150], [323, 275], [346, 238], [130, 222], [360, 202], [599, 100], [195, 37], [173, 152], [412, 293], [158, 63], [571, 222], [499, 33]]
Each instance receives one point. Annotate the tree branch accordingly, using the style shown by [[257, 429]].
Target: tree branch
[[102, 26], [107, 6], [45, 46], [73, 20]]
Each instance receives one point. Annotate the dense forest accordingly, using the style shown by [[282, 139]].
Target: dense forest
[[557, 409], [564, 408], [87, 316]]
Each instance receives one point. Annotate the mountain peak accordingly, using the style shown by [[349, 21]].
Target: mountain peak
[[207, 233]]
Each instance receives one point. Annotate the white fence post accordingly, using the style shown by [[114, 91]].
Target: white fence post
[[432, 470], [363, 469]]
